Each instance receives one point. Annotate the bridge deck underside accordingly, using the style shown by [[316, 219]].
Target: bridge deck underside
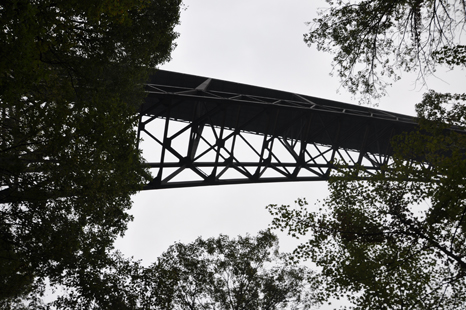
[[197, 132]]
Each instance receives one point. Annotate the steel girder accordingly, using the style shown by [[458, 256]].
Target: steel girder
[[200, 131]]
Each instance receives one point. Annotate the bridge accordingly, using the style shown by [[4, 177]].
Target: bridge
[[200, 131]]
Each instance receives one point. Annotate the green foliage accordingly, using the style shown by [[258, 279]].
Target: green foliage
[[243, 273], [397, 239], [452, 56], [71, 80], [117, 283], [373, 41], [122, 284], [217, 273]]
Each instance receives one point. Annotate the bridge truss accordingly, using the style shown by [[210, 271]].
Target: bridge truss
[[199, 131]]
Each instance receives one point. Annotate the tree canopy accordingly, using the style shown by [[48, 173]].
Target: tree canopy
[[373, 41], [394, 239], [216, 273], [243, 273], [71, 82]]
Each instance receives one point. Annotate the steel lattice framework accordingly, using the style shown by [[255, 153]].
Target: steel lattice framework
[[199, 131]]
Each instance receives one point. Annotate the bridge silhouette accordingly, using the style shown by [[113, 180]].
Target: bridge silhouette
[[200, 131]]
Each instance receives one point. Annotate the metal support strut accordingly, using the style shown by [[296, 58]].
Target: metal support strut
[[198, 131]]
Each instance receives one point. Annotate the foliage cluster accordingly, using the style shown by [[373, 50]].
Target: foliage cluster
[[71, 80], [394, 239], [216, 273], [373, 41], [243, 273]]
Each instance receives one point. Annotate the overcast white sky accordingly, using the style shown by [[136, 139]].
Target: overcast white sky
[[254, 42]]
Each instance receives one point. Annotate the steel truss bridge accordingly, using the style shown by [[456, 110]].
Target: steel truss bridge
[[199, 131]]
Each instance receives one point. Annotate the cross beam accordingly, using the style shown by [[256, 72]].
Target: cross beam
[[199, 131]]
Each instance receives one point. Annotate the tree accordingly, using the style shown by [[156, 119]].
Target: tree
[[243, 273], [373, 41], [395, 239], [121, 283], [71, 80], [217, 273]]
